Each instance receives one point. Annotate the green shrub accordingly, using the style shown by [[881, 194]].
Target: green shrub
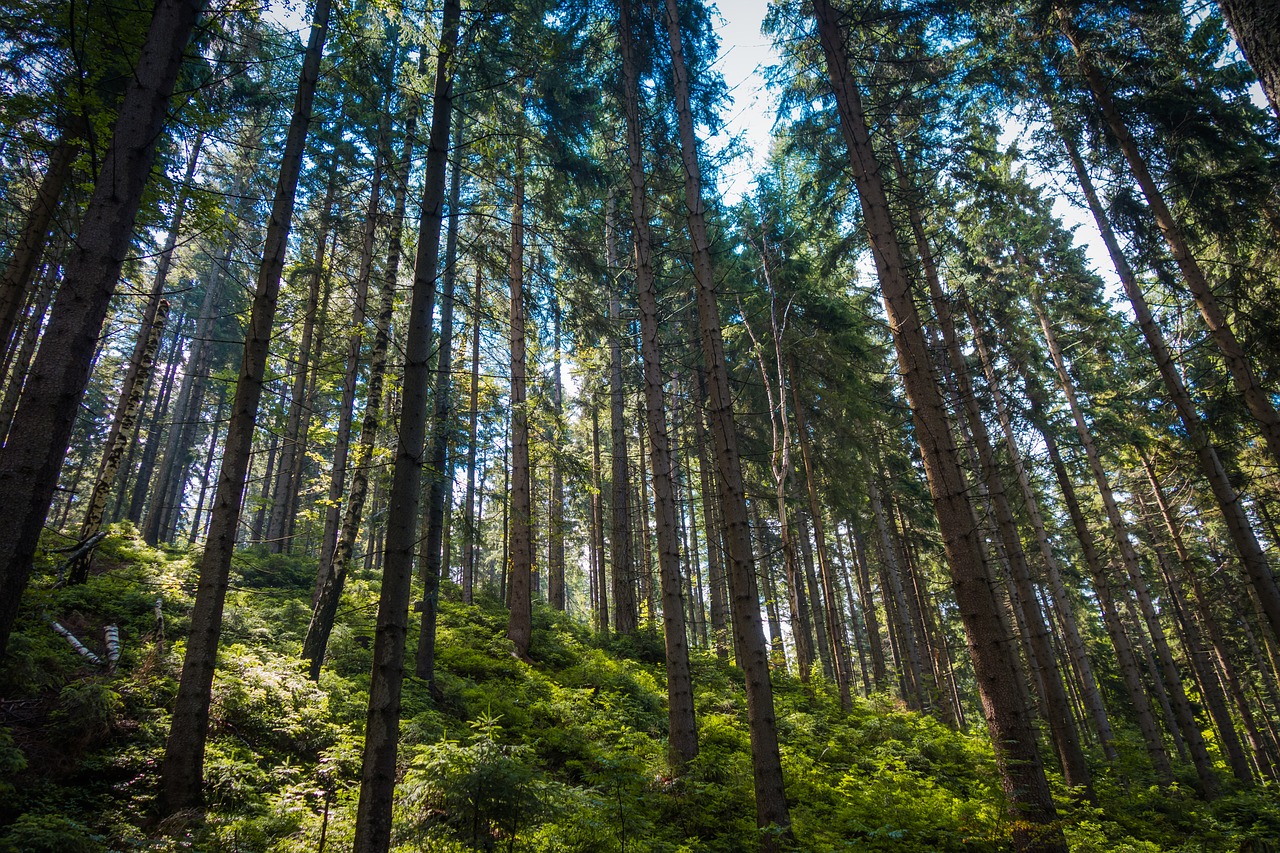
[[49, 833]]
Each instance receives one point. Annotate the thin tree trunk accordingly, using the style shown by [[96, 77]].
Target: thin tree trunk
[[1056, 705], [771, 800], [520, 559], [994, 659], [351, 375], [1058, 591], [382, 726], [166, 494], [826, 572], [123, 431], [21, 362], [1196, 648], [41, 431], [914, 671], [293, 444], [182, 773], [597, 523], [555, 545], [207, 469], [469, 513], [621, 558]]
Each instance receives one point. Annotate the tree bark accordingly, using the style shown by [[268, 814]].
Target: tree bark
[[1125, 657], [1172, 680], [621, 557], [19, 273], [182, 773], [771, 801], [294, 442], [438, 474], [994, 659], [555, 545], [520, 560], [382, 726], [1057, 588], [682, 743], [469, 512], [1256, 26]]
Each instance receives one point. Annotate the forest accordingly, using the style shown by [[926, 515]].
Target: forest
[[411, 441]]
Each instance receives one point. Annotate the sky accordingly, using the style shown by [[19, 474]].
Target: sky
[[744, 53]]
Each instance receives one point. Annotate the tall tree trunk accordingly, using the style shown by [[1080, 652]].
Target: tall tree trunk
[[1242, 535], [19, 273], [682, 743], [913, 673], [621, 558], [771, 800], [382, 726], [1256, 26], [1196, 648], [597, 523], [351, 374], [994, 658], [438, 474], [182, 773], [1056, 705], [166, 494], [21, 362], [469, 512], [826, 572], [41, 431], [520, 560], [555, 544], [1233, 354], [1172, 680], [874, 639]]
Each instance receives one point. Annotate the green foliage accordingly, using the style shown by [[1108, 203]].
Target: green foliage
[[567, 754], [49, 833]]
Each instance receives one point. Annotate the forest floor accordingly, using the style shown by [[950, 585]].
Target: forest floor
[[564, 754]]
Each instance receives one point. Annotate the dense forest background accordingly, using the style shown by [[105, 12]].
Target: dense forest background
[[407, 446]]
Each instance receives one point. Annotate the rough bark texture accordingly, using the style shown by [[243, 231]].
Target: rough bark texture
[[182, 773], [682, 730], [382, 724], [124, 427], [772, 814], [621, 557], [1256, 26], [41, 429], [994, 659]]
